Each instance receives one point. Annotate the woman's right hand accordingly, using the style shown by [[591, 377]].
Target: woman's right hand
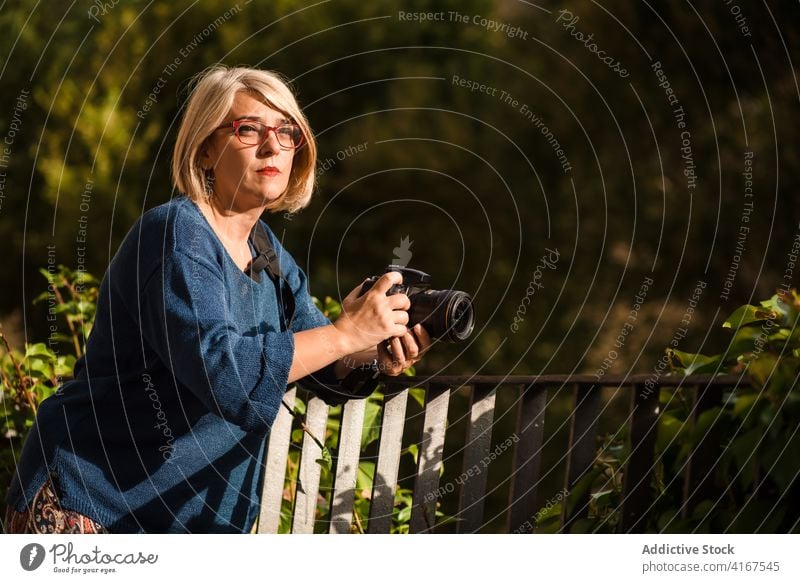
[[367, 320]]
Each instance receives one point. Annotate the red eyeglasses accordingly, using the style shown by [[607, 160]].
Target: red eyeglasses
[[254, 133]]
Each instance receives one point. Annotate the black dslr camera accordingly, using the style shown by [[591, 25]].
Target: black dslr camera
[[445, 314]]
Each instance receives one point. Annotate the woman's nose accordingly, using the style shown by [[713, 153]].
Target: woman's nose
[[270, 144]]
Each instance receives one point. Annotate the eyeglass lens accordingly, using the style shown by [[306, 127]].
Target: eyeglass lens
[[255, 133]]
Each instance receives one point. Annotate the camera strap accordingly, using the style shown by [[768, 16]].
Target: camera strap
[[267, 259], [359, 383]]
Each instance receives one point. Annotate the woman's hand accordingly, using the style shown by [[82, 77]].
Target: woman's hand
[[398, 353], [372, 318]]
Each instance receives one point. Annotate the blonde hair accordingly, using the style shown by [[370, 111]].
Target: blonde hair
[[211, 97]]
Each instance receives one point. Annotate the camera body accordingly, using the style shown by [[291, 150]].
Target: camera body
[[445, 314]]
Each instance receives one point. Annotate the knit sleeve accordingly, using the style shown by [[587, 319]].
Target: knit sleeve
[[240, 377], [307, 316]]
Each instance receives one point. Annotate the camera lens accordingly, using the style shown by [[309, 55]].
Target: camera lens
[[460, 317], [446, 314]]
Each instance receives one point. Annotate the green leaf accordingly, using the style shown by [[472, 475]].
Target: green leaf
[[743, 403], [695, 363], [548, 512], [782, 462], [325, 461], [39, 369], [711, 418], [746, 315], [299, 406], [582, 487], [404, 515], [65, 365], [669, 428], [763, 367], [413, 449], [365, 475], [39, 350], [372, 424], [743, 450], [418, 395]]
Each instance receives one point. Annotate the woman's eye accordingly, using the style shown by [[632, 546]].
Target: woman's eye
[[247, 129], [285, 130]]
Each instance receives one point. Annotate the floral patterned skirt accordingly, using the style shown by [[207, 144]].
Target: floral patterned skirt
[[45, 516]]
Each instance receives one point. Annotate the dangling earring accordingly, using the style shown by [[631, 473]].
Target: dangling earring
[[209, 175]]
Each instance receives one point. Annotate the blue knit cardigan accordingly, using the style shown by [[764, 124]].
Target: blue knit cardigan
[[163, 427]]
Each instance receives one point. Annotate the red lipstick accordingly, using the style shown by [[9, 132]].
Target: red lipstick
[[269, 171]]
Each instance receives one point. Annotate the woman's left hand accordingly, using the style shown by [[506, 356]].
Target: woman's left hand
[[398, 353]]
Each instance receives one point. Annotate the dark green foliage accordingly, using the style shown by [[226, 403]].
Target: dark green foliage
[[754, 436]]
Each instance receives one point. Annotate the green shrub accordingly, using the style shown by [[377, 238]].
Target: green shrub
[[31, 376], [755, 433]]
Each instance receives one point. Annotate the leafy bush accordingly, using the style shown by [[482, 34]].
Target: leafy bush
[[754, 432], [31, 376]]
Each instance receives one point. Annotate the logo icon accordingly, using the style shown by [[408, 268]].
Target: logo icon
[[402, 254], [31, 556]]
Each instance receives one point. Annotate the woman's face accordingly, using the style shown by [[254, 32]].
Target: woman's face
[[248, 175]]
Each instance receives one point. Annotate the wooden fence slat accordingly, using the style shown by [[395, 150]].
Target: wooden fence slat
[[476, 448], [698, 481], [305, 502], [431, 449], [346, 460], [642, 429], [582, 450], [388, 465], [269, 518], [527, 460]]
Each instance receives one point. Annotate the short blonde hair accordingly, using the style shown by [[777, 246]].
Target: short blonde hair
[[210, 100]]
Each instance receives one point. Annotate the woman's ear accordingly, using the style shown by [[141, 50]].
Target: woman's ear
[[202, 159]]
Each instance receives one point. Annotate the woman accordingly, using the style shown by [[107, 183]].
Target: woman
[[163, 427]]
